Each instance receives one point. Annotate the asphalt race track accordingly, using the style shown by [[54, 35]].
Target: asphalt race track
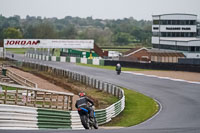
[[180, 101]]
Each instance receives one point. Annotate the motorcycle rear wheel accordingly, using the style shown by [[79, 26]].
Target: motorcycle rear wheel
[[84, 121]]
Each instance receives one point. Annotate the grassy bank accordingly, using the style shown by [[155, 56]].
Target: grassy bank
[[17, 50], [113, 67], [101, 99], [138, 109]]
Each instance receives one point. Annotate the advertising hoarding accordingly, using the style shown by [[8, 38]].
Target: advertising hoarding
[[48, 43]]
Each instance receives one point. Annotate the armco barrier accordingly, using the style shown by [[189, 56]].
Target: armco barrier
[[18, 117], [47, 118]]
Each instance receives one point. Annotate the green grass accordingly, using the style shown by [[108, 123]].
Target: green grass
[[113, 67], [17, 50], [138, 108], [8, 88]]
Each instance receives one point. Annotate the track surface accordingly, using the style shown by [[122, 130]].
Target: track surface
[[180, 112]]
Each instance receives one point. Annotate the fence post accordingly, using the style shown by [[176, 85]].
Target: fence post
[[94, 83], [109, 88], [105, 87], [90, 82], [100, 85]]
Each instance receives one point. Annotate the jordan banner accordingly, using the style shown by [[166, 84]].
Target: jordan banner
[[48, 43]]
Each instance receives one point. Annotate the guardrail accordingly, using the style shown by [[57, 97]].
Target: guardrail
[[70, 119], [18, 117], [35, 97], [19, 79]]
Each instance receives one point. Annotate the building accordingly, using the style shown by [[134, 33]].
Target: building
[[136, 55], [165, 56], [151, 55], [177, 32]]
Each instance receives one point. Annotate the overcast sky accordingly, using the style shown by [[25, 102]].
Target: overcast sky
[[103, 9]]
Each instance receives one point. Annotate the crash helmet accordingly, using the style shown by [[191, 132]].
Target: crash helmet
[[81, 94]]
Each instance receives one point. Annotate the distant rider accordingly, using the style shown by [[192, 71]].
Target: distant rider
[[86, 103], [118, 67]]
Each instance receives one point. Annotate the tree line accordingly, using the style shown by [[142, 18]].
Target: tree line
[[106, 32]]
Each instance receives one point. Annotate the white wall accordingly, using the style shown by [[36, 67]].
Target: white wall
[[1, 52], [84, 60], [62, 59], [163, 28], [155, 40], [53, 58], [95, 61], [192, 55], [178, 17], [73, 59], [43, 57], [175, 17], [47, 57], [37, 56]]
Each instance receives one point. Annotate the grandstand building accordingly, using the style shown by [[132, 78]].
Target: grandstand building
[[177, 32]]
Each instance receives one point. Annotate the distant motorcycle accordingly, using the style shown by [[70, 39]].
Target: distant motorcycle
[[118, 72], [87, 122], [118, 69]]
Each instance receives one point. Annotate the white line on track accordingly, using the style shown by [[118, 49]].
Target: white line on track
[[173, 79]]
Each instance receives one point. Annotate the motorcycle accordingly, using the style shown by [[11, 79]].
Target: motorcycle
[[88, 123], [118, 72], [118, 69]]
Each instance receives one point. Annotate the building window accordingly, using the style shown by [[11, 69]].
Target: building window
[[192, 49], [182, 48], [182, 22], [173, 22], [192, 22], [176, 34], [187, 22], [197, 49], [156, 22], [164, 22], [163, 34], [178, 22], [155, 33], [169, 22], [155, 28]]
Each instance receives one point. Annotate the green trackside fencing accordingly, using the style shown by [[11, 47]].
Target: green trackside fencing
[[95, 61], [78, 60], [54, 119]]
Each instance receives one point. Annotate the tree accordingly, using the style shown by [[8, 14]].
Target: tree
[[100, 36], [69, 32], [123, 38], [12, 33], [44, 31]]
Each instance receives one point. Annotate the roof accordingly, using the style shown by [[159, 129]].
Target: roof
[[181, 39], [133, 50], [175, 14], [165, 53]]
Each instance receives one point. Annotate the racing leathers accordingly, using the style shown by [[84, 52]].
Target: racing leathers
[[86, 103]]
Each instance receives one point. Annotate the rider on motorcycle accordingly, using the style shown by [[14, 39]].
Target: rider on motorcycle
[[118, 67], [86, 103]]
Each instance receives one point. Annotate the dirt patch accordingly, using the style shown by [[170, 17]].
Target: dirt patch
[[48, 81], [189, 76]]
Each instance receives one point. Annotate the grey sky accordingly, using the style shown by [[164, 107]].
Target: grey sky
[[104, 9]]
